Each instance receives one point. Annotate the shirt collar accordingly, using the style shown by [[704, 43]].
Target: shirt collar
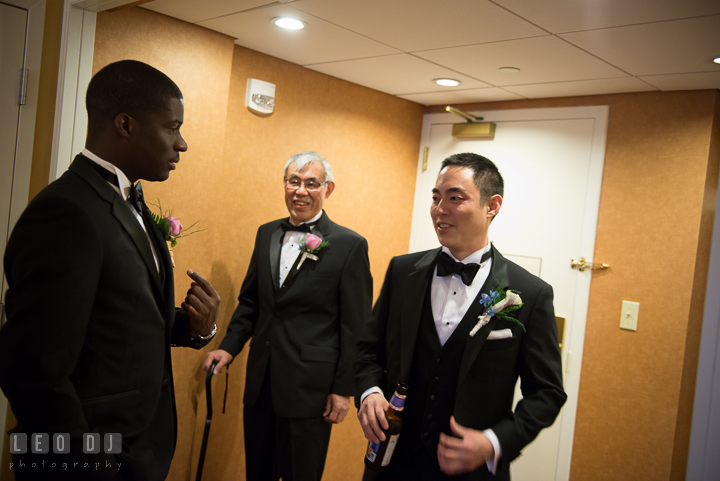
[[475, 257], [314, 219], [123, 181]]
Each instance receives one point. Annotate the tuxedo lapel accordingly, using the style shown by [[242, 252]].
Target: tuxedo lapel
[[122, 213], [498, 278], [164, 261], [416, 288], [275, 247]]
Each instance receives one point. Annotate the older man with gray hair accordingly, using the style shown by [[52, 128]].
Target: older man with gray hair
[[306, 294]]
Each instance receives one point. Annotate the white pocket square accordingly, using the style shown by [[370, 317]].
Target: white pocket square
[[500, 334]]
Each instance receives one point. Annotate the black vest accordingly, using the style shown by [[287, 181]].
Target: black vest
[[432, 384]]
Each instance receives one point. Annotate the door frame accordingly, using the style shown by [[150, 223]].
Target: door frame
[[28, 112], [572, 358], [25, 137]]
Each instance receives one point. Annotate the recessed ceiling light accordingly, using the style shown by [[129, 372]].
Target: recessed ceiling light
[[509, 69], [717, 60], [288, 23], [447, 82]]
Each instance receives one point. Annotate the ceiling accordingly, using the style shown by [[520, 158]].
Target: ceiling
[[561, 47]]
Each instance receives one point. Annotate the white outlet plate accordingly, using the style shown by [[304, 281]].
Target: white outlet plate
[[629, 315]]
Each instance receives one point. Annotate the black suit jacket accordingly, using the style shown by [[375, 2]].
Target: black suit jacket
[[309, 326], [86, 348], [489, 369]]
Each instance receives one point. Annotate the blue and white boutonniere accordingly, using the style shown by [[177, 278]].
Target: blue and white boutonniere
[[498, 303]]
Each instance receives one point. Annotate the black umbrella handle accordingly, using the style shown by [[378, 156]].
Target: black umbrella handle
[[208, 396]]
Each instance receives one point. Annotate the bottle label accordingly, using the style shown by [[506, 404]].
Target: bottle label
[[372, 451], [390, 448], [398, 401]]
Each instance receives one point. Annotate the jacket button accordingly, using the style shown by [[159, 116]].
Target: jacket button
[[437, 361], [436, 379], [432, 397], [267, 343], [430, 417]]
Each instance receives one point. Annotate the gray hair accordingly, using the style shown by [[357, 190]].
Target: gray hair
[[304, 158]]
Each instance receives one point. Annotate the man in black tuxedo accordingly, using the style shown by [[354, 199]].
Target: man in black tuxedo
[[428, 330], [91, 314], [303, 314]]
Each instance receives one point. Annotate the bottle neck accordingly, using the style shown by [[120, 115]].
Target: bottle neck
[[397, 403]]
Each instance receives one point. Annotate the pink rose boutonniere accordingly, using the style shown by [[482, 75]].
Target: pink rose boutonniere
[[175, 227], [170, 226], [310, 247]]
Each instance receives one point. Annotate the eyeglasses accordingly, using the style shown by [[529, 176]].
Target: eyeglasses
[[311, 185]]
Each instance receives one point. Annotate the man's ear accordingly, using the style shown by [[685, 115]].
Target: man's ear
[[123, 125], [494, 204], [329, 187]]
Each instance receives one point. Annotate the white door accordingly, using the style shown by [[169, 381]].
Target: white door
[[13, 24], [551, 160]]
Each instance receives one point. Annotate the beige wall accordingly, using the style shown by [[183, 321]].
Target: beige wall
[[231, 180], [656, 211], [654, 229]]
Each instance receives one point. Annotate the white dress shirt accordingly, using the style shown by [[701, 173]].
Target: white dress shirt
[[451, 298], [291, 248]]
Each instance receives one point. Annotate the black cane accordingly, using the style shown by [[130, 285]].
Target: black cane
[[208, 395]]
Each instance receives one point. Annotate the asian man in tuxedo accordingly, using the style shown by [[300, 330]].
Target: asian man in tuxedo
[[91, 304], [428, 330], [303, 314]]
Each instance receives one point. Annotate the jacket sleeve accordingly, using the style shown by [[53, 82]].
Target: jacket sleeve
[[355, 306], [370, 364], [540, 370]]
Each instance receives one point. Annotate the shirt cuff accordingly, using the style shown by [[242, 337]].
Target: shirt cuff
[[370, 391], [492, 464]]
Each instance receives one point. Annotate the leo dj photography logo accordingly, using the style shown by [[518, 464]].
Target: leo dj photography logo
[[111, 443]]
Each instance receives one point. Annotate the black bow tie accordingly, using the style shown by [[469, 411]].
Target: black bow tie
[[446, 266], [287, 226], [136, 196]]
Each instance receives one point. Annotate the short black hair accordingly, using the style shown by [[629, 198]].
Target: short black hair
[[128, 86], [486, 175]]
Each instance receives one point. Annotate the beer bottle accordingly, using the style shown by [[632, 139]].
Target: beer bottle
[[378, 455]]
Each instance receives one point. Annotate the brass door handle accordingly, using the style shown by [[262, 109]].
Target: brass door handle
[[582, 264]]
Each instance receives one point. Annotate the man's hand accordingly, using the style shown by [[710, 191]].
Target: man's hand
[[372, 417], [201, 304], [464, 453], [336, 408], [223, 357]]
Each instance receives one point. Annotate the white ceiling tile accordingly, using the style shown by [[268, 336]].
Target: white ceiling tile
[[584, 87], [540, 60], [686, 81], [318, 42], [395, 74], [659, 48], [574, 15], [601, 46], [462, 96], [193, 11], [412, 25]]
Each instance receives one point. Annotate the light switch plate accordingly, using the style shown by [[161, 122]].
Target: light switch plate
[[629, 315]]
